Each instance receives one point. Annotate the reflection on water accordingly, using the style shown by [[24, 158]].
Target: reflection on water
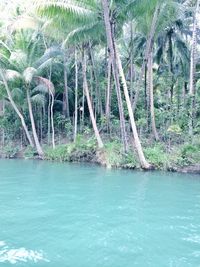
[[13, 255]]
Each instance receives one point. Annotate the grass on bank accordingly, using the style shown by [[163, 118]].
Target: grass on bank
[[112, 156]]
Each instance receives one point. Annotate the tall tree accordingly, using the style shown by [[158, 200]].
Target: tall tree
[[117, 62], [20, 115]]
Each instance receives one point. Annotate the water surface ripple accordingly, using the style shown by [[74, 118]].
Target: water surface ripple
[[70, 215]]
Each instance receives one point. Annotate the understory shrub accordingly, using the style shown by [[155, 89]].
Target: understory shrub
[[77, 151], [113, 154], [190, 153], [29, 152], [9, 151], [115, 157], [157, 155]]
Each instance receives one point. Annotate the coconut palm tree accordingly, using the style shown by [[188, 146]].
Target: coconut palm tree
[[116, 61], [27, 62], [5, 77]]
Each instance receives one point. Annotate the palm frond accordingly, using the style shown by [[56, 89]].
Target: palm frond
[[38, 99], [12, 75], [71, 8], [28, 74], [42, 89], [17, 94], [50, 53]]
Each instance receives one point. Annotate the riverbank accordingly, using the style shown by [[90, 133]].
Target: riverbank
[[178, 158]]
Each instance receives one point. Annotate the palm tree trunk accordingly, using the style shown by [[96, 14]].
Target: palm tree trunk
[[151, 96], [2, 113], [86, 89], [108, 93], [82, 111], [117, 63], [16, 109], [146, 100], [66, 93], [143, 162], [76, 97], [49, 118], [41, 125], [132, 67], [50, 112], [171, 66], [110, 44], [37, 143], [52, 122], [193, 61]]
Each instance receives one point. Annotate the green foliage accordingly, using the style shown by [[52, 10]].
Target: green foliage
[[115, 157], [129, 161], [113, 154], [197, 128], [174, 129], [190, 153], [81, 150], [29, 152], [68, 127], [9, 151], [60, 153], [157, 155], [184, 155]]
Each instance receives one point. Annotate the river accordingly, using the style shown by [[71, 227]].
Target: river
[[77, 215]]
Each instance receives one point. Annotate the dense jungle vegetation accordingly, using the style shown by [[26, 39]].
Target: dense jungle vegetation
[[115, 82]]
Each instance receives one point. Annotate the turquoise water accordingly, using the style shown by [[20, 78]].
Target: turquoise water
[[69, 215]]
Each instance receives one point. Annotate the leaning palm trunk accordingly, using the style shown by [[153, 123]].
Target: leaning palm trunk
[[85, 85], [151, 97], [146, 55], [16, 109], [143, 162], [37, 143], [116, 60], [193, 61]]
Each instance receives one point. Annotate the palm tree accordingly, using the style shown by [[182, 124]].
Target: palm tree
[[117, 61], [112, 57], [28, 76], [26, 60], [4, 78]]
